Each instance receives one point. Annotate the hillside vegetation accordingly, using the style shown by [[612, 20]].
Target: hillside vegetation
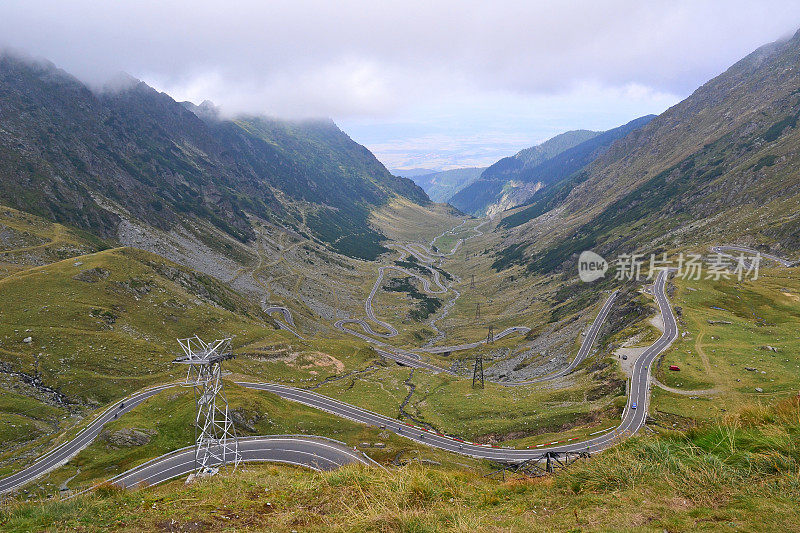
[[743, 474]]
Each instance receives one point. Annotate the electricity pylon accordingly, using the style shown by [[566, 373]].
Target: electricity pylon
[[216, 443], [490, 335], [477, 372]]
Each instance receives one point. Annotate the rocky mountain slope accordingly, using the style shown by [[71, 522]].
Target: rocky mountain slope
[[475, 198], [551, 171], [719, 166], [82, 157]]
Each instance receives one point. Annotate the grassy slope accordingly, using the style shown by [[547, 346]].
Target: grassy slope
[[721, 344], [27, 240], [94, 342], [739, 475], [276, 356]]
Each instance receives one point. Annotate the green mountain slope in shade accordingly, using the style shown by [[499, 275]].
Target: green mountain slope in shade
[[530, 180], [720, 166], [441, 186], [65, 150], [483, 192]]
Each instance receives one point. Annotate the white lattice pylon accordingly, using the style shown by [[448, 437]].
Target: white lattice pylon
[[216, 443]]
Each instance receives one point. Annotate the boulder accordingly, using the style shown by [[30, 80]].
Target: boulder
[[128, 437]]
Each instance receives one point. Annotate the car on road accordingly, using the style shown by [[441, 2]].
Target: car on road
[[633, 405]]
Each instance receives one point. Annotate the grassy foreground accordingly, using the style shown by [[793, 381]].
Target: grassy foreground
[[741, 474]]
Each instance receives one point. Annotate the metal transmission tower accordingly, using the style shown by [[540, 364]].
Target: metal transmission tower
[[477, 372], [478, 310], [472, 284], [490, 335], [215, 435]]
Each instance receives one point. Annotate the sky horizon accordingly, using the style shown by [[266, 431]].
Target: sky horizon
[[423, 85]]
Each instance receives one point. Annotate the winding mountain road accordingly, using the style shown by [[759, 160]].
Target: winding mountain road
[[586, 345], [288, 320], [743, 249], [632, 418], [310, 452], [408, 357], [63, 453], [317, 453]]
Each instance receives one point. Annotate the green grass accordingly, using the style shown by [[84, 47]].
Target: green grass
[[29, 240], [518, 416], [103, 325], [445, 243], [738, 475], [170, 417], [729, 326], [82, 354], [23, 418]]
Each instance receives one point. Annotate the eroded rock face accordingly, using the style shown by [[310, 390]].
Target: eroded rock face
[[128, 437], [245, 419]]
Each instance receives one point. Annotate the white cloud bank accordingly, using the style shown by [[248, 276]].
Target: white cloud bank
[[390, 69]]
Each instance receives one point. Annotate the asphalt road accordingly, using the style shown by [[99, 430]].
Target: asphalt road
[[60, 455], [587, 343], [743, 249], [632, 419], [317, 453], [413, 360], [391, 331], [322, 454], [288, 323], [408, 357]]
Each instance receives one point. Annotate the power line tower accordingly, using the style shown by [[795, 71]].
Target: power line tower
[[478, 310], [216, 443], [472, 283], [477, 372], [490, 335]]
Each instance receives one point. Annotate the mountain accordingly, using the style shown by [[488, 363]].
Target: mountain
[[441, 186], [527, 181], [85, 158], [482, 193], [720, 166]]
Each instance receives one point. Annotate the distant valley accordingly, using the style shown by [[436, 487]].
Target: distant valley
[[443, 185]]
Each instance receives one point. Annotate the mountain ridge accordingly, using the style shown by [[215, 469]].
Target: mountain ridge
[[479, 195], [726, 152], [63, 144]]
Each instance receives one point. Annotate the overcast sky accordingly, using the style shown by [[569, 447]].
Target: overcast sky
[[423, 84]]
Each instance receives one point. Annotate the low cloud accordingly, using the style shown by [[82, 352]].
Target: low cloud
[[383, 61]]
